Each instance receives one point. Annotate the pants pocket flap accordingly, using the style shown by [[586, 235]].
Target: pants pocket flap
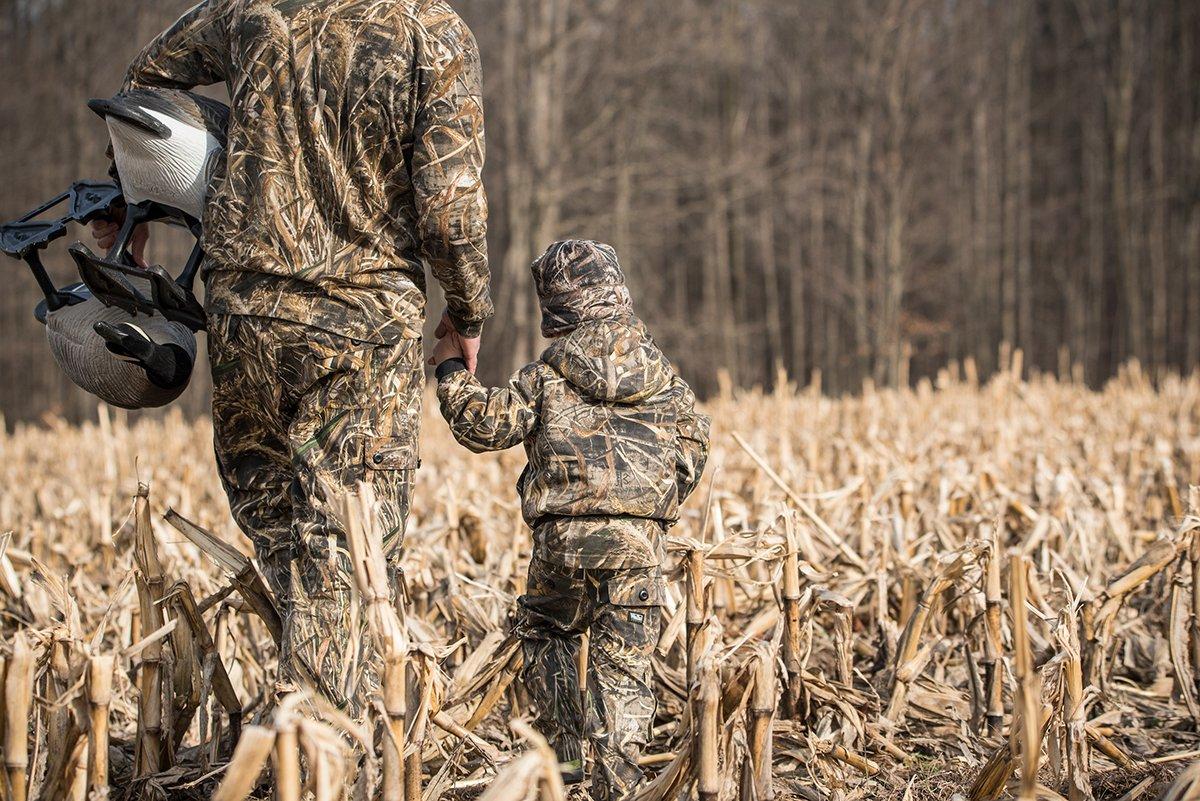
[[393, 453], [639, 588]]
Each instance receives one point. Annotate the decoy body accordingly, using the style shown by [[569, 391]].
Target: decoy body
[[126, 334], [130, 361]]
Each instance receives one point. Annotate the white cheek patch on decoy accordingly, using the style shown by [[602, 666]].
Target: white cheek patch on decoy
[[173, 171]]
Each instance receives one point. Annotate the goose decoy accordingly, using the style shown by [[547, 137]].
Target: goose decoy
[[126, 333], [132, 361], [166, 146]]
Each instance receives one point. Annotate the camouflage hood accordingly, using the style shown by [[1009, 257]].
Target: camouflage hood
[[603, 349], [612, 361], [577, 282]]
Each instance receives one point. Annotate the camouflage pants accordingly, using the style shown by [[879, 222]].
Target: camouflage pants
[[300, 415], [620, 610]]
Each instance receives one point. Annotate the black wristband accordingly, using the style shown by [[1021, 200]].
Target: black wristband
[[450, 367]]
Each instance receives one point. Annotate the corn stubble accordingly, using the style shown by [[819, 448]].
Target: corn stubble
[[983, 591]]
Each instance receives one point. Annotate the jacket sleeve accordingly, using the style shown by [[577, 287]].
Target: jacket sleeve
[[447, 164], [691, 443], [490, 419], [192, 52]]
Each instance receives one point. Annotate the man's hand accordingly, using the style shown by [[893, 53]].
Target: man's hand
[[468, 347], [447, 348], [105, 233]]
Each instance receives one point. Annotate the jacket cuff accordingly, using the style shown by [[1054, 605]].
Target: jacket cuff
[[449, 368], [466, 329]]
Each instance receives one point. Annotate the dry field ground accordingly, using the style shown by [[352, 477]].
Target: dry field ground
[[983, 591]]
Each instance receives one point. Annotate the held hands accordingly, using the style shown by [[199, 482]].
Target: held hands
[[446, 348], [453, 345], [105, 233]]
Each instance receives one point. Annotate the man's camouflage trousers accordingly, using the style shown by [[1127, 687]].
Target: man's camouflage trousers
[[621, 610], [300, 416]]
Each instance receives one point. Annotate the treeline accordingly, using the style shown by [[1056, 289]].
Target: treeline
[[865, 188]]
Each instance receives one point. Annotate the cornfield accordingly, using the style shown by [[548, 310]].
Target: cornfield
[[955, 590]]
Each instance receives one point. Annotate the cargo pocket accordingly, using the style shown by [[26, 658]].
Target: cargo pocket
[[634, 601], [393, 453], [391, 465]]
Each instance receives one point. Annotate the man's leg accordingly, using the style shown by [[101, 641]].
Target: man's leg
[[358, 421], [551, 619], [621, 703], [253, 458]]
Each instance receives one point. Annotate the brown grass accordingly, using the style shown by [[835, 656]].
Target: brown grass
[[846, 626]]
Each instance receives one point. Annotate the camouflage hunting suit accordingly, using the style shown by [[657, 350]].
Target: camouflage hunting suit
[[614, 446], [355, 154], [355, 150]]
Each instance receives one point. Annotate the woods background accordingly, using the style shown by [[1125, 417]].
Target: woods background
[[865, 188]]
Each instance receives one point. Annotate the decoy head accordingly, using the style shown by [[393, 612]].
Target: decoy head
[[130, 115]]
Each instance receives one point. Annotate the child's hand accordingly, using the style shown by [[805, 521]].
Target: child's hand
[[447, 348]]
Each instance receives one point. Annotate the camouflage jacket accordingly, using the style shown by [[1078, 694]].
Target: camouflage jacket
[[611, 431], [355, 156]]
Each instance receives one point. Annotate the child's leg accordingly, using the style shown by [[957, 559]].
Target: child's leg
[[620, 694], [551, 620]]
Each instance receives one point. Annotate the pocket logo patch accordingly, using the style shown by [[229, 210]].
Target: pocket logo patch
[[637, 617]]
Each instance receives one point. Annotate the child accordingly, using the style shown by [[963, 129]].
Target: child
[[614, 447]]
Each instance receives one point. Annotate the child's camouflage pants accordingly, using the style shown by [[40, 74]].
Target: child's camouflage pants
[[620, 609], [301, 415]]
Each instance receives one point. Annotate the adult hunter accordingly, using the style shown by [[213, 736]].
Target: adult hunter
[[355, 153]]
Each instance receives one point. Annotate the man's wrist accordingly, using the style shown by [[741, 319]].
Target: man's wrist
[[449, 367], [465, 329]]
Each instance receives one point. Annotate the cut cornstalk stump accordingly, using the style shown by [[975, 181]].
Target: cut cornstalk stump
[[792, 600], [697, 610], [420, 679], [18, 700], [153, 682], [708, 740], [1078, 761], [286, 759], [993, 643], [1026, 737], [762, 716], [396, 705], [387, 632], [100, 683]]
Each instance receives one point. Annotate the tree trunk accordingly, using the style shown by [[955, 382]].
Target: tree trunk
[[858, 253], [1120, 99]]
